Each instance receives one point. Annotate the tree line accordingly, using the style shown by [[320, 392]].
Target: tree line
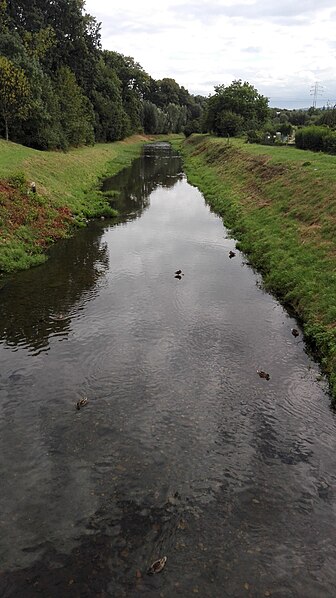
[[59, 88]]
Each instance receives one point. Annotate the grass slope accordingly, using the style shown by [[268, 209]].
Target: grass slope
[[67, 194], [280, 203]]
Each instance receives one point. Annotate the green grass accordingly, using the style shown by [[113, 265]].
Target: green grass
[[67, 194], [68, 178], [283, 213]]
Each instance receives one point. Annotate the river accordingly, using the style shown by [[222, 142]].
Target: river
[[182, 449]]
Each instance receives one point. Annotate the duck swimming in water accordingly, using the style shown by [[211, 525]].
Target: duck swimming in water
[[157, 566], [263, 374], [231, 254], [295, 332], [81, 403]]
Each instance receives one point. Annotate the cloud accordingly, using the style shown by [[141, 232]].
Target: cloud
[[252, 50], [285, 10], [280, 47]]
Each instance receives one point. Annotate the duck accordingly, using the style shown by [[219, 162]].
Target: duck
[[231, 254], [157, 566], [263, 374], [81, 403], [295, 332], [178, 272]]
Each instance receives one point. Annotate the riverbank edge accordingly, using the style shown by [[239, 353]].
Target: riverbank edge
[[67, 195], [266, 204]]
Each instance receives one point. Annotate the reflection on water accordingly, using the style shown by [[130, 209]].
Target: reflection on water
[[135, 184], [38, 304], [182, 450]]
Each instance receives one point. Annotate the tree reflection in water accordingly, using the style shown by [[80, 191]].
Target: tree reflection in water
[[135, 184]]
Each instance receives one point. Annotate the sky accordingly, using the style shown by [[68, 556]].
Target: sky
[[284, 48]]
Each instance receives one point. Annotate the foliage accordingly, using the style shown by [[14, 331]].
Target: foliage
[[150, 118], [327, 117], [134, 82], [311, 138], [106, 97], [239, 102], [329, 143], [254, 136], [228, 124], [76, 115], [285, 128], [80, 93], [14, 93]]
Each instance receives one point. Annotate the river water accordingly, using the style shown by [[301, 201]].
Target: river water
[[182, 449]]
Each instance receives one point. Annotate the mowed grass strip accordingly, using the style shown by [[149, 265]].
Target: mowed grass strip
[[280, 203], [67, 194]]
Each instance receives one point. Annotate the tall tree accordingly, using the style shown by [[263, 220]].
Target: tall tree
[[240, 99], [134, 83], [76, 34], [106, 97], [76, 112], [14, 93]]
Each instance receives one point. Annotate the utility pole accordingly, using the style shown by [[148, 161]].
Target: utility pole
[[315, 91]]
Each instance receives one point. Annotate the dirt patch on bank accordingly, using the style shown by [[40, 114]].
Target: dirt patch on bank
[[30, 218]]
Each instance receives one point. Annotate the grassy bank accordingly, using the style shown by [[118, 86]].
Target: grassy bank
[[67, 194], [280, 203]]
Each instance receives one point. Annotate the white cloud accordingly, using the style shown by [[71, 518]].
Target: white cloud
[[281, 48]]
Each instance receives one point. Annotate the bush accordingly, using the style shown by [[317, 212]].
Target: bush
[[329, 143], [312, 138], [254, 136], [228, 123]]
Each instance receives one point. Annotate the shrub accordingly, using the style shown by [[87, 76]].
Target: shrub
[[311, 138], [228, 123], [254, 136], [329, 143]]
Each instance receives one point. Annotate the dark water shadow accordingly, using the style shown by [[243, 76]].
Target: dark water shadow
[[37, 304]]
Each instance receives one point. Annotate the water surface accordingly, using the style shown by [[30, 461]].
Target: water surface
[[182, 450]]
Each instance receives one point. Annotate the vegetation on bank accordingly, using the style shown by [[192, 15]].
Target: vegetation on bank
[[67, 194], [280, 203], [60, 89], [317, 139]]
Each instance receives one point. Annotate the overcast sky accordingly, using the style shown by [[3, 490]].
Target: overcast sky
[[282, 47]]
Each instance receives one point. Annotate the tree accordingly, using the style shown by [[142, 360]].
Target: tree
[[76, 114], [75, 35], [176, 118], [169, 92], [228, 124], [14, 93], [106, 97], [150, 118], [240, 99], [134, 85]]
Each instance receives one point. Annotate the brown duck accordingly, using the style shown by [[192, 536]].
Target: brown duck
[[81, 403], [157, 566]]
